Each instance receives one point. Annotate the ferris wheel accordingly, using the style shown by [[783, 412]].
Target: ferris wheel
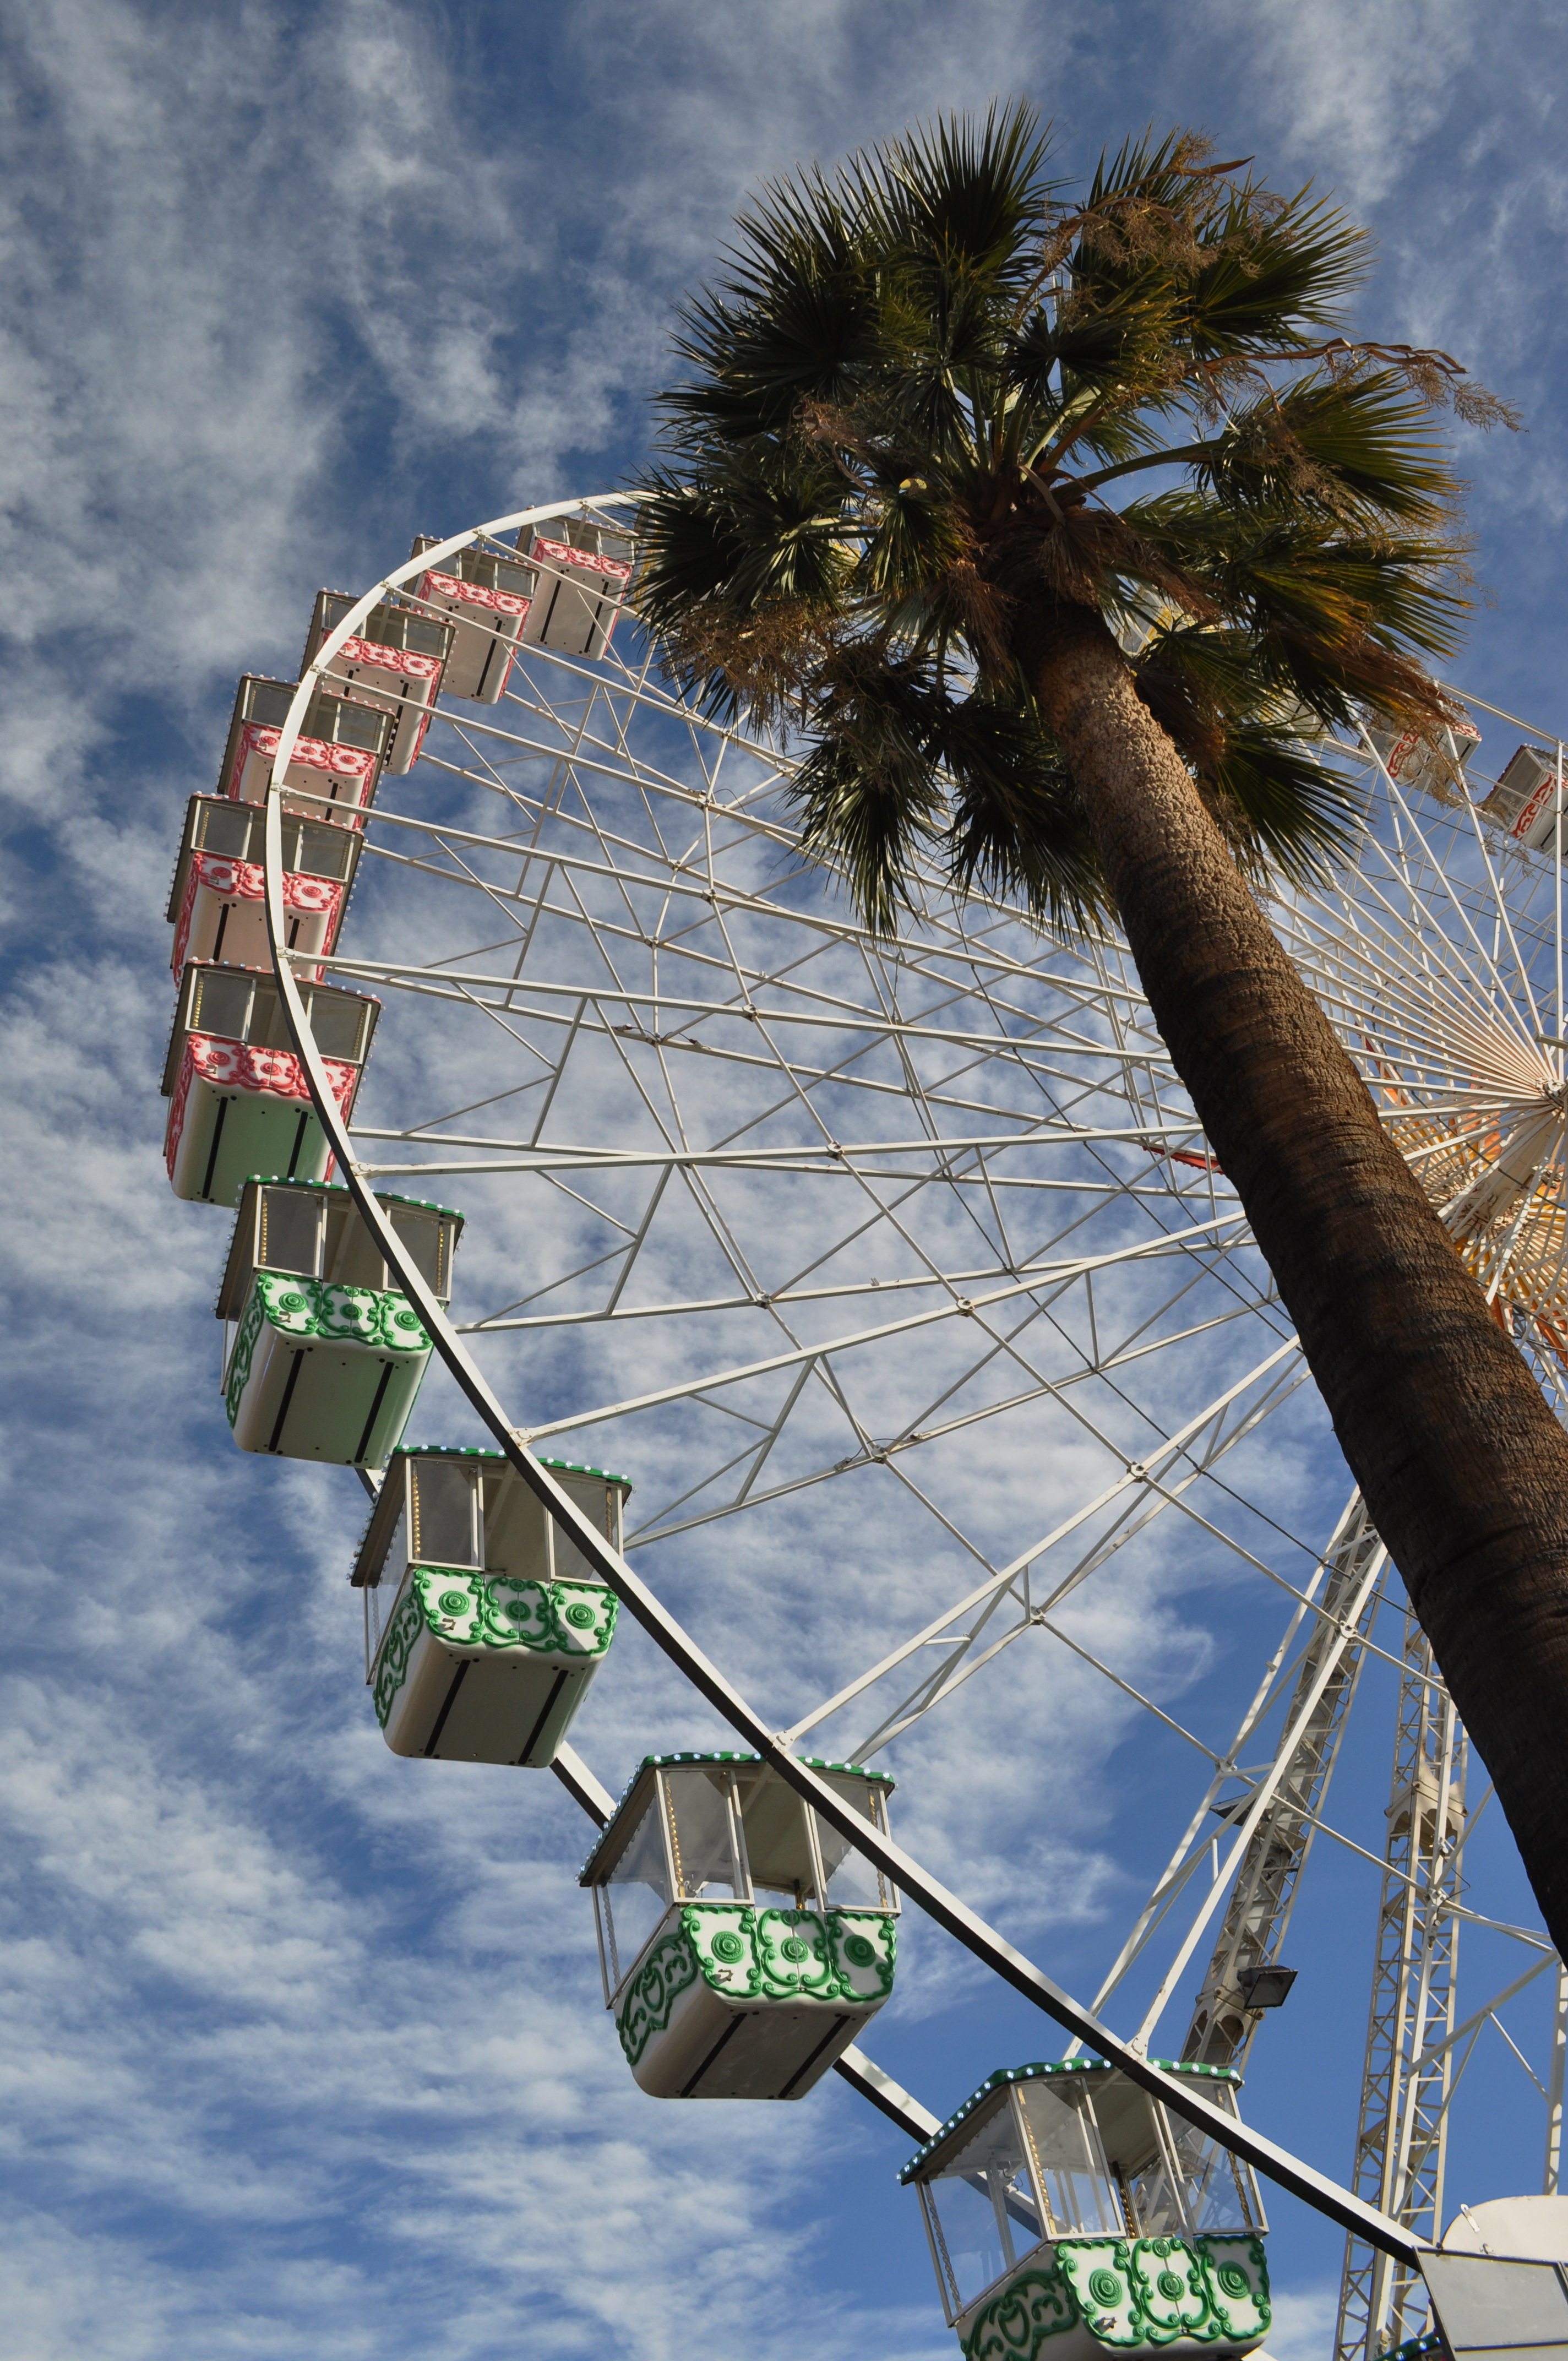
[[880, 1300]]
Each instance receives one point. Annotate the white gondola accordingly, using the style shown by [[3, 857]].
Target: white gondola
[[1435, 763], [487, 594], [1070, 2213], [585, 570], [322, 1357], [337, 757], [238, 1103], [497, 1623], [394, 662], [743, 1943], [217, 903], [1524, 800]]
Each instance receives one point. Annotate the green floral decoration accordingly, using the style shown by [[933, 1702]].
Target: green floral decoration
[[244, 1353], [1035, 2306], [1131, 2294], [377, 1319], [667, 1972], [749, 1954], [464, 1609], [392, 1656]]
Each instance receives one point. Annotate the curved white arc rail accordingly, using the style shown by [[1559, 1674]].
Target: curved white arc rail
[[1315, 2189]]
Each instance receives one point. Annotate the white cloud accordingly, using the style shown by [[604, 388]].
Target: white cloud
[[1355, 86], [1304, 2322]]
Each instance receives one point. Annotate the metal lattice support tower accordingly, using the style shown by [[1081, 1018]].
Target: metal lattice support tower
[[1401, 2138], [1260, 1908], [1551, 2175]]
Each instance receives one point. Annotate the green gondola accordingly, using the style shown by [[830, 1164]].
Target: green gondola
[[322, 1359], [495, 1624], [1069, 2213], [744, 1944]]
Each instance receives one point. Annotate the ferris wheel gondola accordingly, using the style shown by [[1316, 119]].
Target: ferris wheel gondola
[[322, 1354], [238, 1102], [483, 1624], [1063, 2203]]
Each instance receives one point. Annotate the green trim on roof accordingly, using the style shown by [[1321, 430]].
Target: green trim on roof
[[724, 1755], [467, 1450], [1414, 2346], [382, 1196], [1006, 2074], [480, 1451]]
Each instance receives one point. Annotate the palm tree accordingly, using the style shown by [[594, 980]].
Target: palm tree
[[946, 444]]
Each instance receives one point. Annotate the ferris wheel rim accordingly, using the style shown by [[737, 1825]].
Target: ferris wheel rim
[[1320, 2192]]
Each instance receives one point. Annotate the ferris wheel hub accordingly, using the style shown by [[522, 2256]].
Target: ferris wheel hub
[[1525, 1162]]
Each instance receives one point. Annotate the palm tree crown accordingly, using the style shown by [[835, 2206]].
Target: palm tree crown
[[923, 402]]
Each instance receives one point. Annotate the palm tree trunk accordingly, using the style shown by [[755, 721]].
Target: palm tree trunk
[[1463, 1467]]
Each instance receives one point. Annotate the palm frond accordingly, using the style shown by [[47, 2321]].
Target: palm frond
[[956, 205], [867, 792], [1288, 813], [739, 582], [1349, 443], [1016, 828], [797, 317], [1273, 278], [1091, 347]]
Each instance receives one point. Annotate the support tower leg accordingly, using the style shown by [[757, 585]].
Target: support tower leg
[[1401, 2136]]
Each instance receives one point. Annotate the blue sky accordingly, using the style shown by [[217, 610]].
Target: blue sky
[[297, 2057]]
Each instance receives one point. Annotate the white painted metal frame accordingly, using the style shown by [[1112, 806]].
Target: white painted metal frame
[[925, 1890]]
